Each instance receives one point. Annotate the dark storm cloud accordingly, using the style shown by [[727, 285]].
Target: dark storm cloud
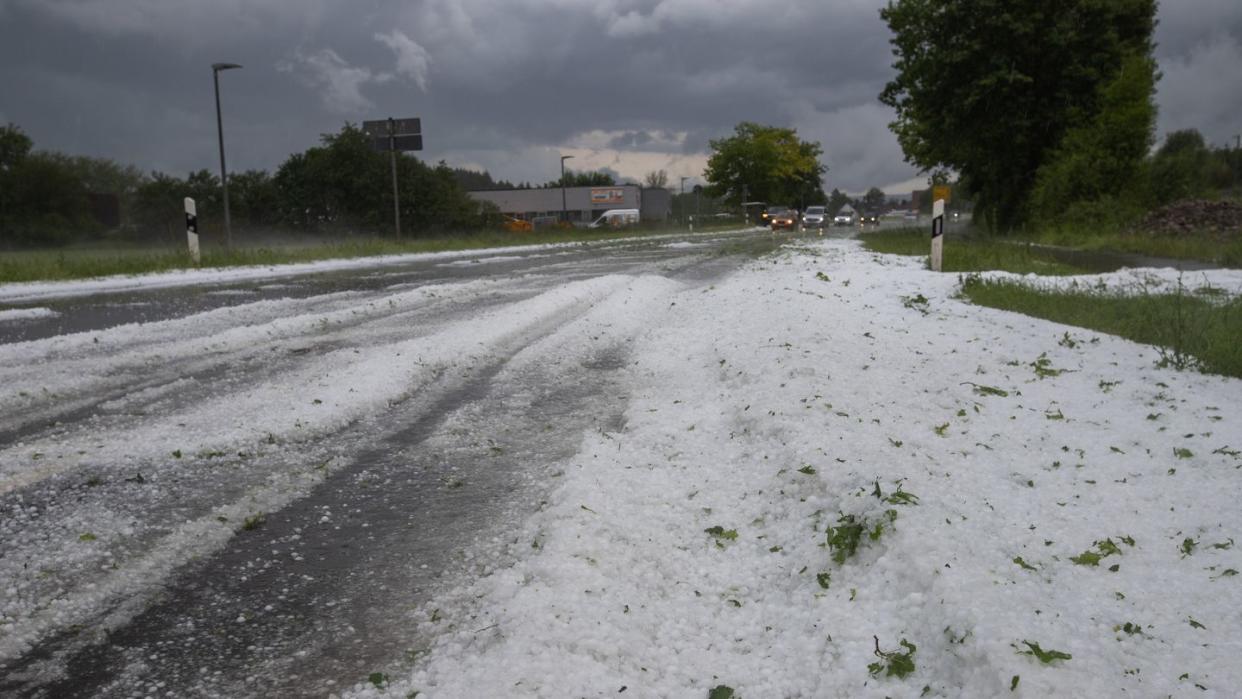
[[508, 85]]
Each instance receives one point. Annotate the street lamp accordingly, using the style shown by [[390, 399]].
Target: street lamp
[[564, 210], [681, 203], [224, 175]]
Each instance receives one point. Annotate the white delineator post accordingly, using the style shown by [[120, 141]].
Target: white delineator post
[[937, 243], [191, 229]]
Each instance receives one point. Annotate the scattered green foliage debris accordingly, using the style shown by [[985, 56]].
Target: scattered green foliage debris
[[1045, 656], [894, 663], [721, 534], [845, 538], [986, 390]]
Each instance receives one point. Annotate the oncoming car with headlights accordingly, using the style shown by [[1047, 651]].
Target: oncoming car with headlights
[[814, 217], [781, 217]]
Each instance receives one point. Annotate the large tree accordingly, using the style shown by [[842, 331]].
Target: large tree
[[765, 163], [874, 199], [991, 88]]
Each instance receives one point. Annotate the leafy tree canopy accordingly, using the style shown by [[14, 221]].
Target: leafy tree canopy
[[990, 88], [656, 179], [836, 200], [874, 199], [583, 179], [765, 163]]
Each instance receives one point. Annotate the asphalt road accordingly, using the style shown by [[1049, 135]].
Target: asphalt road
[[360, 521]]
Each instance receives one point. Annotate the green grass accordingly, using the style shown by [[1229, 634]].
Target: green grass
[[968, 253], [1203, 247], [87, 262], [1191, 330]]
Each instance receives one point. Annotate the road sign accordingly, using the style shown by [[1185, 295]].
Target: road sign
[[394, 136], [399, 143], [400, 127], [404, 127]]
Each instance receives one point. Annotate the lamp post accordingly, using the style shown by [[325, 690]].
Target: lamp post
[[564, 210], [224, 175], [681, 200]]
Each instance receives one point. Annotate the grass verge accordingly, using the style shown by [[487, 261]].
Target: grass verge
[[1205, 247], [84, 263], [1190, 329], [968, 254]]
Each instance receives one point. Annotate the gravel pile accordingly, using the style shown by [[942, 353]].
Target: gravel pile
[[1194, 215]]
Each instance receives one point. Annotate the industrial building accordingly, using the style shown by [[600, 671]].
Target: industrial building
[[582, 204]]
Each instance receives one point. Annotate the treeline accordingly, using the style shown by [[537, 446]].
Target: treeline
[[341, 186], [472, 180], [1183, 167], [1046, 111]]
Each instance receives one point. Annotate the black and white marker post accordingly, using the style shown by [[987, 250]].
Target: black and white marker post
[[191, 228], [937, 243]]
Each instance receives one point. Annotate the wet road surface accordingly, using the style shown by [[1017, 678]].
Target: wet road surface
[[362, 522]]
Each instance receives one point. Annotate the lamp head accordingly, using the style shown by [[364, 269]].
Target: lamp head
[[224, 66]]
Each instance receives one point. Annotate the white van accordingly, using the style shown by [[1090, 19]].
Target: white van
[[616, 218]]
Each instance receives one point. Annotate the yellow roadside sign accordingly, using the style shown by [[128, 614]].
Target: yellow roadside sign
[[941, 191]]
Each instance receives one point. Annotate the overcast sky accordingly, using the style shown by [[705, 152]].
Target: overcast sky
[[509, 85]]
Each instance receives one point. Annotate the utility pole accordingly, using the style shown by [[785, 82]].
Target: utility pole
[[392, 159], [681, 200], [395, 135], [224, 173], [564, 210]]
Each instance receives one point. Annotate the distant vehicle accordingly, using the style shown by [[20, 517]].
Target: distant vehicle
[[870, 218], [616, 218], [765, 218], [844, 217], [780, 217], [814, 217]]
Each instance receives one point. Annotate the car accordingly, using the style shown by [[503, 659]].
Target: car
[[765, 216], [781, 217], [870, 218], [843, 218], [814, 217]]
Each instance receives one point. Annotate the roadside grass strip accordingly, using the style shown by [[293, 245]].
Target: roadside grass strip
[[967, 254], [823, 489], [1192, 328], [85, 263]]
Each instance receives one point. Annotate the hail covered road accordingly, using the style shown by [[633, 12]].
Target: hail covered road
[[241, 489]]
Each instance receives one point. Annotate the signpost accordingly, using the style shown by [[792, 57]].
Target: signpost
[[191, 228], [393, 135], [937, 243]]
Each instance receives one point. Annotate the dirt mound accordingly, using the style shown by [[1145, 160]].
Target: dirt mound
[[1223, 218]]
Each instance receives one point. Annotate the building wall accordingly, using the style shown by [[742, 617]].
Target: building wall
[[582, 204], [657, 204]]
